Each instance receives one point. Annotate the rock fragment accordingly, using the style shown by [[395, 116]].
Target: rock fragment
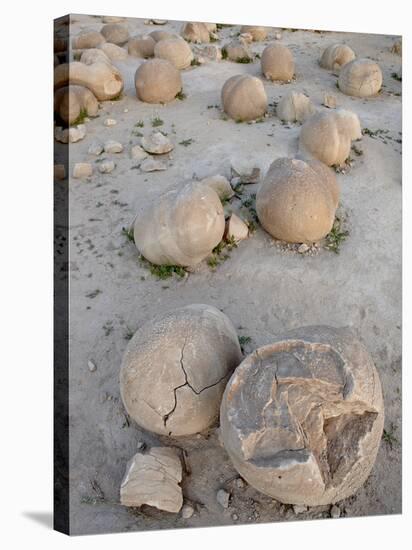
[[112, 147], [91, 365], [110, 122], [157, 143], [330, 101], [223, 498], [335, 512], [82, 170], [236, 229], [151, 165], [187, 511], [221, 185], [106, 167], [70, 135], [300, 509], [96, 148], [153, 478], [241, 168], [138, 153]]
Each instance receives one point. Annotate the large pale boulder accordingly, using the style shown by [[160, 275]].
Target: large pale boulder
[[141, 46], [92, 55], [153, 478], [335, 56], [244, 97], [104, 80], [328, 136], [163, 35], [296, 201], [195, 32], [157, 81], [277, 63], [175, 368], [295, 106], [360, 78], [258, 33], [71, 101], [182, 227], [237, 50], [175, 50], [114, 52], [87, 39], [302, 418], [116, 33]]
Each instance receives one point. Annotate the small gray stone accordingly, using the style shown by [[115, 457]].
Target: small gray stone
[[157, 144], [151, 165], [70, 135], [110, 122], [138, 153], [303, 248], [113, 147], [240, 483], [335, 512], [96, 148], [300, 509], [235, 517], [106, 167], [223, 497], [91, 365], [82, 170], [187, 511], [329, 100]]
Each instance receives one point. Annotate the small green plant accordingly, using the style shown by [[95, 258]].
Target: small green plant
[[389, 437], [213, 38], [336, 236], [139, 124], [213, 106], [396, 77], [94, 293], [157, 121], [81, 118], [186, 142], [220, 252], [243, 341], [129, 334], [162, 271], [128, 233], [224, 53], [137, 133], [181, 95], [244, 59], [223, 25], [194, 62], [118, 97], [358, 152]]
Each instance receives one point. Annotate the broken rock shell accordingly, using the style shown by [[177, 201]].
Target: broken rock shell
[[360, 78], [336, 56], [302, 418], [175, 369]]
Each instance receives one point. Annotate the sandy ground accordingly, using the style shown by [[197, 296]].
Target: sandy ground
[[263, 289]]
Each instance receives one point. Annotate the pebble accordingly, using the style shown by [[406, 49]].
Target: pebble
[[96, 148], [140, 445], [335, 512], [110, 122], [299, 508], [151, 165], [138, 153], [157, 144], [106, 167], [59, 172], [70, 135], [240, 483], [187, 511], [303, 248], [113, 147], [235, 517], [278, 36], [82, 170], [235, 181], [223, 497], [92, 366], [329, 100]]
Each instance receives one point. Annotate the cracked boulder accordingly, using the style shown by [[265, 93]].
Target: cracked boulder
[[153, 478], [336, 56], [328, 135], [302, 418], [297, 200], [360, 78], [244, 97], [182, 227], [175, 369]]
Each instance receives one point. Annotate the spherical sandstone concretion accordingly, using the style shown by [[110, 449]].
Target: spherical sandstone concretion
[[302, 418], [162, 35], [182, 227], [195, 32], [277, 63], [335, 56], [258, 33], [157, 81], [244, 97], [296, 202], [116, 33], [175, 50], [294, 106], [360, 78], [141, 46], [175, 369], [87, 39], [237, 49], [70, 101], [328, 136]]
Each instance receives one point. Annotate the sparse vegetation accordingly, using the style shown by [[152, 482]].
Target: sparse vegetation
[[389, 436], [220, 252], [224, 53], [81, 118], [243, 341], [194, 62], [186, 142], [157, 121], [163, 271], [336, 236], [139, 124], [244, 59], [396, 77], [181, 95], [128, 233]]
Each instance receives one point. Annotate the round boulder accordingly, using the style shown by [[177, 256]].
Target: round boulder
[[296, 202], [258, 33], [302, 418], [175, 50], [244, 98], [141, 46], [277, 63], [71, 101], [116, 33], [360, 78], [195, 32], [87, 39], [175, 369], [335, 56], [157, 81]]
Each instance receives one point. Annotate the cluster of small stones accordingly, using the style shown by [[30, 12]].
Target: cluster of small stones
[[188, 402]]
